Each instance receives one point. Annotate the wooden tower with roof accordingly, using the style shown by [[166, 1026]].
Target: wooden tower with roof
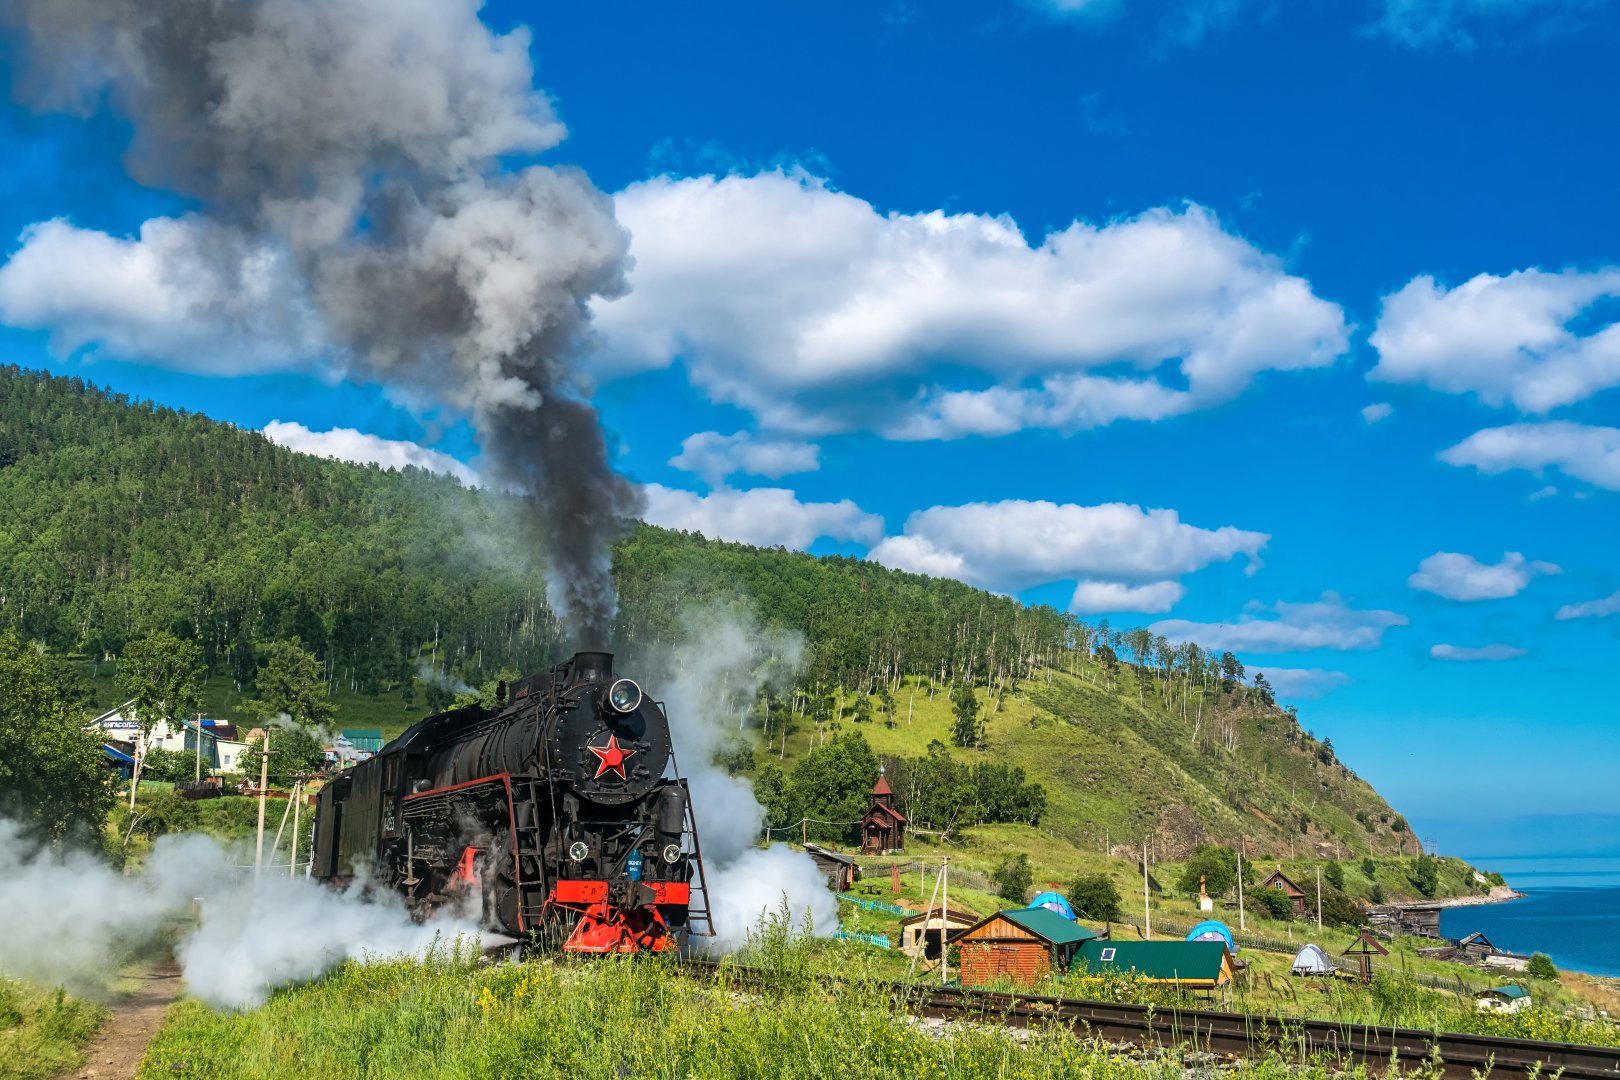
[[883, 828]]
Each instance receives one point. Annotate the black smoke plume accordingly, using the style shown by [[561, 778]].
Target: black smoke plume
[[373, 160]]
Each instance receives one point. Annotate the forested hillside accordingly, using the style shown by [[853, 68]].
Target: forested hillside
[[120, 518]]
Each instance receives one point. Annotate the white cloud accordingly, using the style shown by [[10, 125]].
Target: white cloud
[[1328, 623], [714, 456], [1463, 577], [347, 444], [1506, 339], [819, 313], [1582, 451], [1484, 652], [766, 517], [1107, 597], [183, 294], [1543, 493], [1591, 609], [1457, 23], [1377, 411], [1116, 550], [1303, 683]]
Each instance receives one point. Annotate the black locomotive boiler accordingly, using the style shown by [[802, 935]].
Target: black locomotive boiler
[[549, 814]]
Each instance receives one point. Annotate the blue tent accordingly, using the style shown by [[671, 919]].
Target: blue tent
[[1052, 901], [1213, 930]]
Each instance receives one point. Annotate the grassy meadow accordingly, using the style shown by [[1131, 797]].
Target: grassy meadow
[[42, 1031]]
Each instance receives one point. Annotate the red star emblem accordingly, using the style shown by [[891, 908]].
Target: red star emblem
[[612, 757]]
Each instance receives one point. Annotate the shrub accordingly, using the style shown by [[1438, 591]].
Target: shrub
[[1541, 967], [1013, 879], [1369, 868], [1493, 878], [1272, 902], [1425, 875], [1095, 897], [1218, 867], [1339, 910], [1333, 874]]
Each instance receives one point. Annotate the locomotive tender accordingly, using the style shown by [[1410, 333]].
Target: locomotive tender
[[547, 815]]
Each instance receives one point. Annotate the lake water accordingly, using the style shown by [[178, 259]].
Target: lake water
[[1571, 912]]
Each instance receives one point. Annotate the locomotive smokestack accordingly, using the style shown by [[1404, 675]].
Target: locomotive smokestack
[[349, 161]]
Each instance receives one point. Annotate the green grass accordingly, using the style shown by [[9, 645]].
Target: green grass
[[42, 1032], [622, 1017]]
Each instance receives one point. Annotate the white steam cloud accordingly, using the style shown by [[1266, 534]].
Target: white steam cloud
[[716, 674], [68, 916]]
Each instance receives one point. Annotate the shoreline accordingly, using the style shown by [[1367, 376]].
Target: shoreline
[[1499, 894]]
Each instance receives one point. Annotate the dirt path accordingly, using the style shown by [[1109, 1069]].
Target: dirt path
[[117, 1049]]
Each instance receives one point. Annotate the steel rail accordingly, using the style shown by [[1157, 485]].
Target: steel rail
[[1460, 1056]]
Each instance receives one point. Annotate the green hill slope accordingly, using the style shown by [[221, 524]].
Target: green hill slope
[[118, 518]]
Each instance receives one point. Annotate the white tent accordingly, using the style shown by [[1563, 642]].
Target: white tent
[[1311, 960]]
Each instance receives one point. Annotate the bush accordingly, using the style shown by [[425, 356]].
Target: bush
[[1013, 879], [1493, 878], [1333, 874], [1095, 897], [1272, 902], [1426, 875], [1218, 867], [1369, 868], [1541, 967], [1339, 910]]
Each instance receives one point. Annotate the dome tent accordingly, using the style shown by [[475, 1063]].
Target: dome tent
[[1213, 930], [1052, 901], [1311, 960]]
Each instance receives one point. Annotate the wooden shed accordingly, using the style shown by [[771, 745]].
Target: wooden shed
[[1190, 965], [883, 828], [840, 869], [1295, 894], [1022, 945], [924, 934]]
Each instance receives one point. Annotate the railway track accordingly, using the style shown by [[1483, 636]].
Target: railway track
[[1237, 1035]]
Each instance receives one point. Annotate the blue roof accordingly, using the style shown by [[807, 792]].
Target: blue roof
[[1052, 901], [116, 754]]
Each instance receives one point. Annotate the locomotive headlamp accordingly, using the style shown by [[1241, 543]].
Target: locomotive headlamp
[[671, 852], [624, 696], [577, 851]]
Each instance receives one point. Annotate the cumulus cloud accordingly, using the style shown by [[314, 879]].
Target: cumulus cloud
[[819, 313], [1483, 652], [714, 456], [1463, 577], [1125, 558], [180, 293], [766, 517], [1458, 23], [347, 444], [1513, 339], [1328, 623], [1303, 683], [1377, 411], [1094, 597], [1583, 451], [1591, 609]]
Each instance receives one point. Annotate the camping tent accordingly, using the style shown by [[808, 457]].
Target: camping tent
[[1311, 960], [1052, 901], [1213, 930]]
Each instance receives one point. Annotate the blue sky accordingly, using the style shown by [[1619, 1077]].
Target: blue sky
[[1287, 327]]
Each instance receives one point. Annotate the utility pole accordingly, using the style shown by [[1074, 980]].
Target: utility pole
[[264, 784], [199, 748], [1147, 907], [1243, 842], [1318, 898], [945, 924]]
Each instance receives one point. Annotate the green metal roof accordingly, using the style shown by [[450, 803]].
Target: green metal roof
[[1188, 960], [1050, 925], [364, 738], [1512, 991]]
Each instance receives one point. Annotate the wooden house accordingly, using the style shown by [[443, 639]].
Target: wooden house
[[1511, 998], [1475, 946], [1023, 945], [1190, 965], [840, 869], [1295, 894], [1415, 920], [924, 934], [883, 828]]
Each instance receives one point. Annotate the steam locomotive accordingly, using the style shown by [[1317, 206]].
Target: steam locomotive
[[546, 816]]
